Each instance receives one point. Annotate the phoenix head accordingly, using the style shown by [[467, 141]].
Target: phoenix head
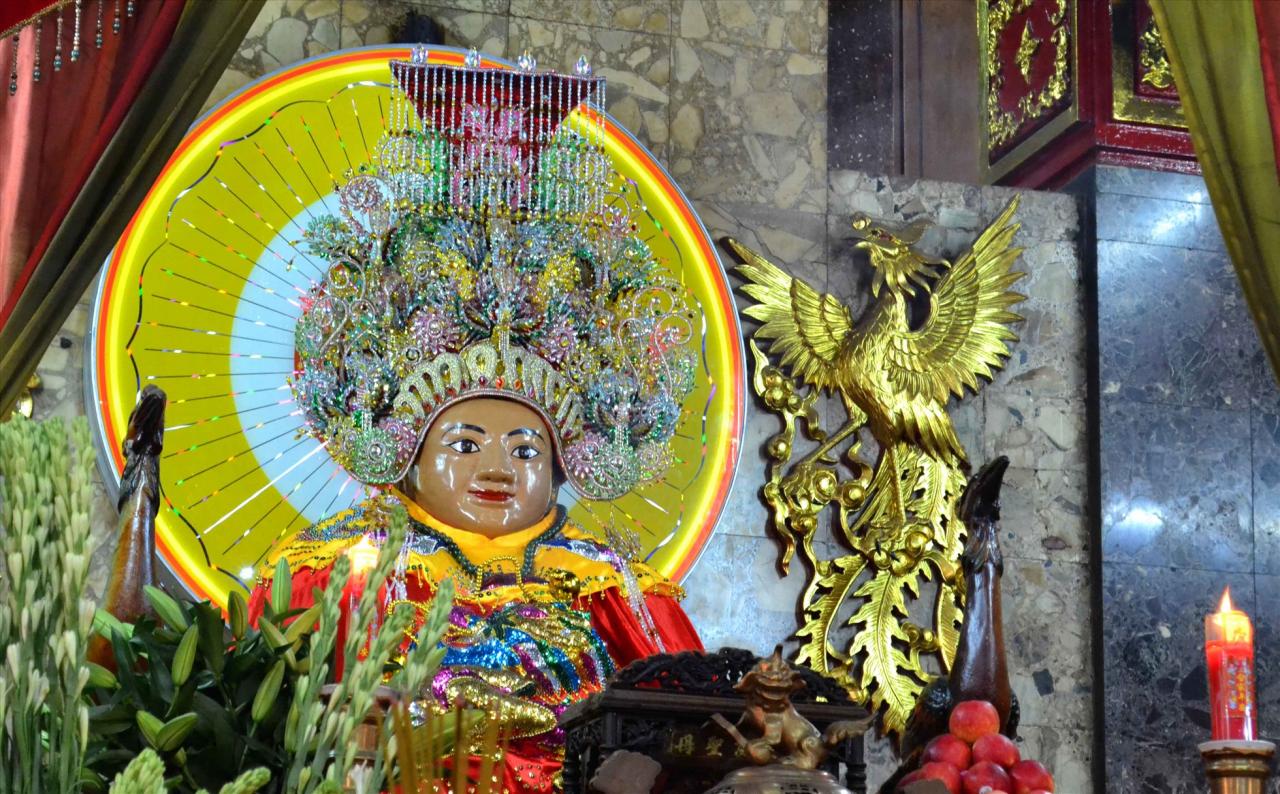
[[897, 263]]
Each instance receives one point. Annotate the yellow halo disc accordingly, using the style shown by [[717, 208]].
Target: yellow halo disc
[[201, 294]]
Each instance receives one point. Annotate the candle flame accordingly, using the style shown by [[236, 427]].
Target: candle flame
[[1225, 604], [363, 556]]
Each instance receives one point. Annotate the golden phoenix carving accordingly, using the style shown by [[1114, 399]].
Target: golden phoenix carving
[[898, 518]]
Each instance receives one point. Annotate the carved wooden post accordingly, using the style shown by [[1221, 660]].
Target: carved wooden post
[[134, 565], [979, 671]]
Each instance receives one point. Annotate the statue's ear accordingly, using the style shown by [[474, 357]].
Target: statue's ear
[[409, 482]]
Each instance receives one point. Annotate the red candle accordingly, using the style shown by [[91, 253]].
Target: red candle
[[1228, 649]]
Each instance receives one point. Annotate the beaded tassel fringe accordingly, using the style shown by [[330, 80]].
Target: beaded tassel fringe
[[28, 39]]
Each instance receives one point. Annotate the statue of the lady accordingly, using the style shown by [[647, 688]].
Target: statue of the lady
[[489, 329]]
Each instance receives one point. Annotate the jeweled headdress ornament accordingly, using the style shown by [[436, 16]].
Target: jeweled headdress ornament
[[481, 255]]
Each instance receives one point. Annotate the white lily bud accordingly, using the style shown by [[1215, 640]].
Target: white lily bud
[[38, 690], [87, 609], [11, 658]]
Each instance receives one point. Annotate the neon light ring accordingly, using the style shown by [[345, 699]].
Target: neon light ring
[[201, 294]]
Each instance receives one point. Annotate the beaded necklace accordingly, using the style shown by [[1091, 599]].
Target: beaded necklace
[[470, 568]]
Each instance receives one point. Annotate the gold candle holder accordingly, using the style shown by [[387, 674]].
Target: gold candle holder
[[1237, 767]]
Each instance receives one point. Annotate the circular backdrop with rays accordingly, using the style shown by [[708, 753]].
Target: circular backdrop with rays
[[201, 294]]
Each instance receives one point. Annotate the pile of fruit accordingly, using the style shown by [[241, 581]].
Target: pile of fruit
[[974, 758]]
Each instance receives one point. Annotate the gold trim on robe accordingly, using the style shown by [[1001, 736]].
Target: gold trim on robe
[[569, 559]]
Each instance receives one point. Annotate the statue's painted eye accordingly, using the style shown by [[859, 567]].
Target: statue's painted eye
[[526, 452], [464, 445]]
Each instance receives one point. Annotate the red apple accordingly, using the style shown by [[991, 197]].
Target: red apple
[[997, 749], [941, 770], [984, 774], [973, 719], [1030, 777], [947, 748], [908, 779]]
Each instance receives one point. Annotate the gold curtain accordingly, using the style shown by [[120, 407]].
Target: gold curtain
[[1214, 50]]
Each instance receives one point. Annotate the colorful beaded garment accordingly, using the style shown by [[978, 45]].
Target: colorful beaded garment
[[518, 645]]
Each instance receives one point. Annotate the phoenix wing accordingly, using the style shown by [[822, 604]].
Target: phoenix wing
[[966, 335], [807, 328]]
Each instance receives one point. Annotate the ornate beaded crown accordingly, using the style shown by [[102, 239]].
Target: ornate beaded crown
[[480, 254]]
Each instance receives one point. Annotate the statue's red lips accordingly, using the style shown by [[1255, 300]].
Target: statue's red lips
[[491, 496]]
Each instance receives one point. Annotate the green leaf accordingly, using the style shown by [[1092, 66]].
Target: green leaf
[[281, 588], [220, 721], [110, 728], [212, 645], [166, 608], [251, 654], [157, 655], [126, 665], [110, 759], [150, 726], [173, 732], [185, 657], [110, 713], [237, 614], [91, 781]]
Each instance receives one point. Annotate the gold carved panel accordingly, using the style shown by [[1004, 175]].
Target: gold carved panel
[[1142, 88], [1027, 52]]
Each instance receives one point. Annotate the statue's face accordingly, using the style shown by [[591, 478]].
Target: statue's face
[[486, 466]]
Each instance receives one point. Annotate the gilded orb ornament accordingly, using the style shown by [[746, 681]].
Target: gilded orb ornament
[[897, 517]]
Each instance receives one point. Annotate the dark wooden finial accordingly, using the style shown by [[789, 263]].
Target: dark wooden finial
[[139, 501]]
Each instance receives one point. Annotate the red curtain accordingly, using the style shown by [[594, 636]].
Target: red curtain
[[1267, 17], [15, 14], [53, 132]]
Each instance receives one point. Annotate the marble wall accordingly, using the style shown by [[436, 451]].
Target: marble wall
[[1189, 483], [732, 96]]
